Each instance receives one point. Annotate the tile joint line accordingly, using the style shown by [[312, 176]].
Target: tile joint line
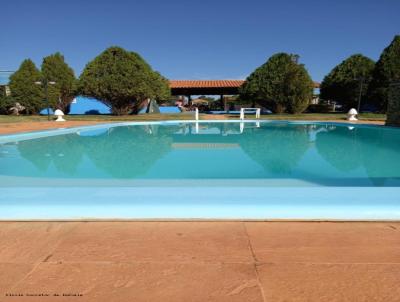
[[255, 262]]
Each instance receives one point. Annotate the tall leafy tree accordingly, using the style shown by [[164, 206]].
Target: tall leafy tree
[[393, 112], [122, 80], [281, 83], [24, 90], [54, 68], [344, 82], [387, 70]]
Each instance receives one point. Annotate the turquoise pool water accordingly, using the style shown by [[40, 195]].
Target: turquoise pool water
[[203, 170]]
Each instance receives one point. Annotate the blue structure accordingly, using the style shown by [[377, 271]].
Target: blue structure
[[84, 105], [44, 111]]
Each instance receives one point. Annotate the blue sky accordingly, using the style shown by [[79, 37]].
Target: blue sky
[[201, 39]]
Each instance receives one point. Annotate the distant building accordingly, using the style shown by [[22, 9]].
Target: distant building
[[5, 90], [4, 80], [315, 99]]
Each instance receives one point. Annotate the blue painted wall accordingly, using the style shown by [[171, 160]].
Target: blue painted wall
[[84, 105]]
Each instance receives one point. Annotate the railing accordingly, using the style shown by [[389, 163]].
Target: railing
[[241, 127]]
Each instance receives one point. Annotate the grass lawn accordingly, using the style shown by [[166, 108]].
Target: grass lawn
[[189, 116]]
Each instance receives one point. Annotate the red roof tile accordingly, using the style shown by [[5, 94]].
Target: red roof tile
[[211, 83], [205, 83]]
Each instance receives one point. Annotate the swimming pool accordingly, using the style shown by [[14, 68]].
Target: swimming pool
[[227, 170]]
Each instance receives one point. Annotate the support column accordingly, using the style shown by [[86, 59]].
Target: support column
[[189, 100]]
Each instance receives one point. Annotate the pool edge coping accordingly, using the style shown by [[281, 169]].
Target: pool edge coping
[[277, 220], [14, 137]]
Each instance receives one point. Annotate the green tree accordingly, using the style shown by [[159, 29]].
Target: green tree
[[387, 70], [122, 80], [160, 91], [23, 87], [160, 87], [344, 82], [299, 89], [55, 69], [393, 112], [281, 83], [6, 102]]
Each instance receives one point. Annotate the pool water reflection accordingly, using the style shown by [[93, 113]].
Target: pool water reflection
[[318, 154]]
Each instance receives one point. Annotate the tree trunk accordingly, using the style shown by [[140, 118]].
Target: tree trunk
[[279, 108], [121, 110], [393, 114], [139, 105]]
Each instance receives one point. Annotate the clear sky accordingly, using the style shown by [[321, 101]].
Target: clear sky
[[204, 39]]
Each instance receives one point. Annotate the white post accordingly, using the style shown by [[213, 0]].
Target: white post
[[197, 127], [59, 114], [242, 113], [351, 115], [258, 113], [241, 127], [196, 114]]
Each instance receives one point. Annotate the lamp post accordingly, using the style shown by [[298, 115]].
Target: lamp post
[[361, 80], [46, 84]]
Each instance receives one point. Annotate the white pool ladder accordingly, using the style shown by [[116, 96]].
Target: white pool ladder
[[257, 110]]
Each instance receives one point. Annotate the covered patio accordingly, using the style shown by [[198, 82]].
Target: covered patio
[[189, 88], [222, 88]]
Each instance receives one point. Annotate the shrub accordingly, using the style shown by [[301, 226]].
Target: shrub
[[122, 80], [342, 84], [386, 70], [6, 103], [280, 82], [24, 90], [63, 92], [320, 108]]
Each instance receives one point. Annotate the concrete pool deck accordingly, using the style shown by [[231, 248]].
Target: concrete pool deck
[[18, 127], [200, 261]]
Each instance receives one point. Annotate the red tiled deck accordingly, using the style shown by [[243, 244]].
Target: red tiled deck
[[200, 261]]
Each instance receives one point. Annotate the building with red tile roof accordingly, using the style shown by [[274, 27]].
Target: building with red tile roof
[[208, 87], [205, 87], [201, 86]]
